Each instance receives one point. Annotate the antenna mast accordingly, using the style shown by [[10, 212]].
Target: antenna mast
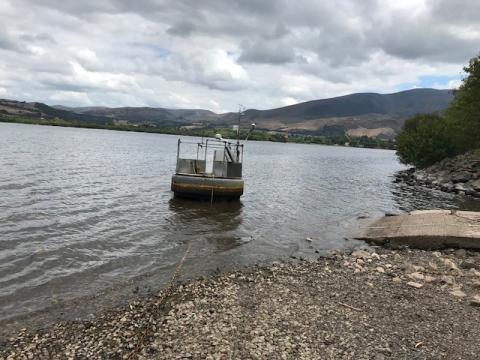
[[240, 110]]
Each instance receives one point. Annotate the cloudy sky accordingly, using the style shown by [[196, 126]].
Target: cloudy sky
[[215, 54]]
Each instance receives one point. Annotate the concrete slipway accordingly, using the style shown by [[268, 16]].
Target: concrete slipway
[[427, 229]]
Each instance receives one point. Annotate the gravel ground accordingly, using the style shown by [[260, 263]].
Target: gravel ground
[[371, 304]]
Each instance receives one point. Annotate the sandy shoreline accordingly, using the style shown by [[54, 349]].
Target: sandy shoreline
[[371, 304]]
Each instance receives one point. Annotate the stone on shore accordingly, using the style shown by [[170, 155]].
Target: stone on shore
[[475, 301], [460, 175], [415, 284], [322, 309]]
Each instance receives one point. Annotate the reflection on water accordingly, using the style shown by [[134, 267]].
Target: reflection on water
[[216, 223], [85, 211]]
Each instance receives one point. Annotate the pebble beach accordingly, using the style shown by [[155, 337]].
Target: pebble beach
[[373, 303]]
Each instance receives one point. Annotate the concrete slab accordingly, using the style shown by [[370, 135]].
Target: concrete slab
[[427, 229]]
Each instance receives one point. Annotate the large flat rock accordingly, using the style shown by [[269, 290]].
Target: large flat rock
[[427, 229]]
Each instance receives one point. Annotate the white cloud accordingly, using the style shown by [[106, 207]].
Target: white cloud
[[214, 55], [36, 50], [87, 58], [70, 97], [454, 84], [289, 101]]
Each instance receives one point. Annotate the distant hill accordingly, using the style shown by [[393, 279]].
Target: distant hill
[[407, 102], [355, 111], [42, 111], [154, 116], [362, 114]]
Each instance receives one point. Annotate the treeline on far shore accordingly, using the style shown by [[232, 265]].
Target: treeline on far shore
[[429, 138], [228, 133]]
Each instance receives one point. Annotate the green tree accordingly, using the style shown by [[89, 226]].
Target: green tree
[[464, 112], [424, 140]]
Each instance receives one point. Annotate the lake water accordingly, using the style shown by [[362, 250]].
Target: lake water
[[87, 212]]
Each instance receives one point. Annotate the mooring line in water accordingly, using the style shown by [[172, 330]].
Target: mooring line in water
[[168, 290], [179, 267], [213, 183]]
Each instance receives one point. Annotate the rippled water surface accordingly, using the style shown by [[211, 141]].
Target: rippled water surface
[[86, 211]]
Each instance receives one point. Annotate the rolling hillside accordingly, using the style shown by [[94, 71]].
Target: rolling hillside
[[42, 111], [386, 112], [363, 114]]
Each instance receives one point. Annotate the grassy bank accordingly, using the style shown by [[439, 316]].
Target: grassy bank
[[258, 135]]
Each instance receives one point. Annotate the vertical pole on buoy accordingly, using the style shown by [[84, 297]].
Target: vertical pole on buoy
[[240, 109]]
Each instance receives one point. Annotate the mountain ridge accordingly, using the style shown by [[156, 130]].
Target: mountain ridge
[[365, 113]]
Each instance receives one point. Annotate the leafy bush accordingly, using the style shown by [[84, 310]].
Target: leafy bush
[[424, 140], [464, 112]]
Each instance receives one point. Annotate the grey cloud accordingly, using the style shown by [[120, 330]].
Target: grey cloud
[[254, 21], [319, 44], [346, 48], [457, 12], [198, 72], [211, 17], [183, 29], [280, 31], [79, 8], [262, 52], [37, 38], [8, 42], [64, 85], [434, 42]]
